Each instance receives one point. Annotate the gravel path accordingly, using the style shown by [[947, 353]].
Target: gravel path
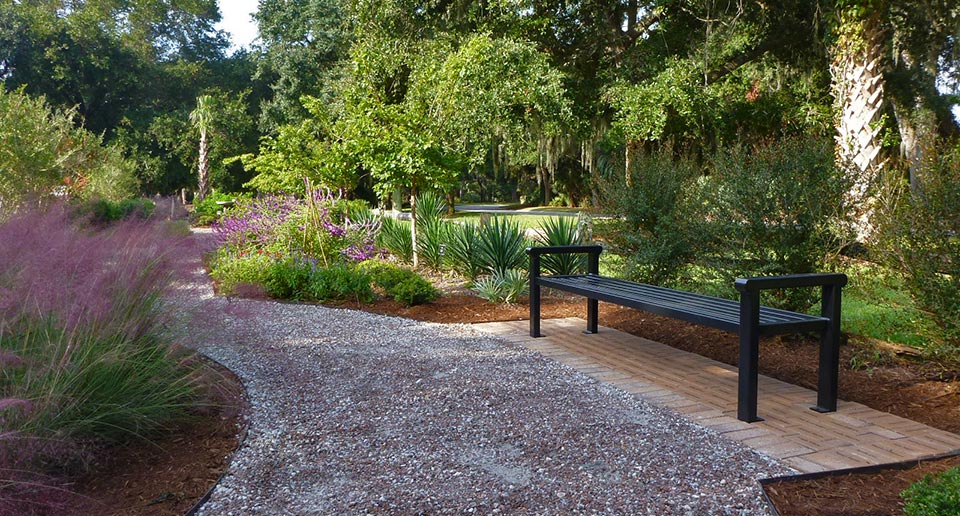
[[356, 413]]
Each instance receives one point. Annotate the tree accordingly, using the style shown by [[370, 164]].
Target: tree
[[45, 154], [128, 68], [201, 119], [314, 148], [301, 42], [887, 58]]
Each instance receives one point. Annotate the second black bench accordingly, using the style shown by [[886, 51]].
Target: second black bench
[[747, 317]]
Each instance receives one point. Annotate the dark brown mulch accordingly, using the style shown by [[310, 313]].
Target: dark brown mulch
[[171, 473], [853, 494]]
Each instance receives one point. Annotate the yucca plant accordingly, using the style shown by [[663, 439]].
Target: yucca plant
[[502, 246], [463, 250], [507, 287], [432, 230], [561, 231], [394, 236]]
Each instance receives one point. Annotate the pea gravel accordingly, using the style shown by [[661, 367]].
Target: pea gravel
[[356, 413]]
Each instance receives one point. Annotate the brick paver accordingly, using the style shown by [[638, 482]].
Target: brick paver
[[705, 391]]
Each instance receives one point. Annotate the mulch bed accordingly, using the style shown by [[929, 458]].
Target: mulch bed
[[871, 491], [168, 475]]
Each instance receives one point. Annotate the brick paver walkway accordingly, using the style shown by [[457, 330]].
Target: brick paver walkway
[[704, 391]]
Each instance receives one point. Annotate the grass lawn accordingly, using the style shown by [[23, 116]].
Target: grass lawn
[[876, 304], [532, 221]]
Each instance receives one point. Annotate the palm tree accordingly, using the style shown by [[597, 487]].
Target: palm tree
[[201, 118], [858, 89]]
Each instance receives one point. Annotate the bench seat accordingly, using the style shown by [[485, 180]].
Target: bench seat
[[747, 318], [723, 314]]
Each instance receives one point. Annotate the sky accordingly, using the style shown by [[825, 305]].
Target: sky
[[237, 21]]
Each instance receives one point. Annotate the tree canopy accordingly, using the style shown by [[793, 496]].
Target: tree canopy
[[518, 99]]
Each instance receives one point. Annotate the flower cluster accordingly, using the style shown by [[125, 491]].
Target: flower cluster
[[332, 231], [254, 224]]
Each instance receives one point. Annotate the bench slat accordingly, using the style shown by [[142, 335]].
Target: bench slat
[[710, 311]]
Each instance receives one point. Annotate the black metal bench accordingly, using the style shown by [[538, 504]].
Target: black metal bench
[[747, 317]]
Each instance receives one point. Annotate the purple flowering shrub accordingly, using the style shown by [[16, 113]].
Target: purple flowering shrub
[[329, 232], [253, 224], [266, 241], [84, 348]]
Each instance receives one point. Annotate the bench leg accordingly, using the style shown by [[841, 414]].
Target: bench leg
[[829, 367], [535, 308], [749, 358], [592, 310]]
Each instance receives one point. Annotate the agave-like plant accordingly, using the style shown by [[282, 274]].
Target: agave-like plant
[[463, 250], [394, 236], [561, 231], [432, 230], [502, 246], [503, 288]]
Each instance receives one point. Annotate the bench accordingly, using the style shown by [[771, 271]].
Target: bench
[[747, 318]]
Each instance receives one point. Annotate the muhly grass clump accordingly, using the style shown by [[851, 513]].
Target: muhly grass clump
[[86, 359]]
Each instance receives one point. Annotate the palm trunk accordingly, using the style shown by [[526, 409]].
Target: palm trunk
[[203, 175], [858, 89]]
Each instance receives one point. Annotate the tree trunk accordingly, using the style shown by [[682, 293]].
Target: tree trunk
[[858, 89], [396, 201], [916, 120], [203, 174], [630, 150], [413, 225]]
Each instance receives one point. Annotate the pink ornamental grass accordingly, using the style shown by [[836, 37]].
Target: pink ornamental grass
[[81, 345], [54, 271]]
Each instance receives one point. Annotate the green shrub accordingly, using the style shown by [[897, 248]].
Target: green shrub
[[402, 285], [395, 237], [562, 231], [339, 282], [918, 234], [231, 270], [290, 278], [934, 495], [463, 250], [777, 209], [46, 151], [208, 210], [658, 232], [507, 287], [103, 211], [384, 274], [502, 246], [413, 291]]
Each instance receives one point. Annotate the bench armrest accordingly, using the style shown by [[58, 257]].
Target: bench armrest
[[790, 281], [593, 261], [561, 249]]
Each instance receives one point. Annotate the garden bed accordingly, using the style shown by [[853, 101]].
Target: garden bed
[[865, 491], [171, 474]]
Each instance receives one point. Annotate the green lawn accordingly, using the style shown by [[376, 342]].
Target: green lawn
[[532, 221], [876, 304]]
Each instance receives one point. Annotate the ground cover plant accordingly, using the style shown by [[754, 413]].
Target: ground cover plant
[[87, 356], [934, 495]]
